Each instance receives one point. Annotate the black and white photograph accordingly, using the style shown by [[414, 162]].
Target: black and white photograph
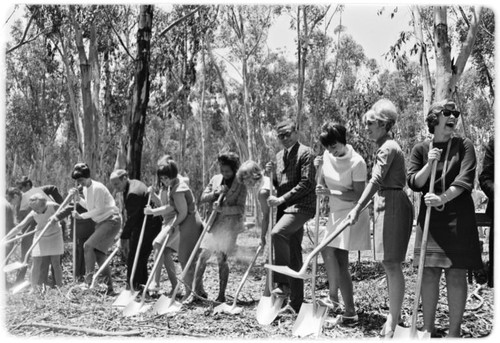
[[238, 170]]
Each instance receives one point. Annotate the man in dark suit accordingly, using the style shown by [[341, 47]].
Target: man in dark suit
[[293, 178], [135, 197]]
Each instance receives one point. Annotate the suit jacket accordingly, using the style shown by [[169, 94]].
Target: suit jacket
[[235, 199], [135, 198], [294, 181]]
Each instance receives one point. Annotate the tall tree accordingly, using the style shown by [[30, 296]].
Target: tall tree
[[140, 97]]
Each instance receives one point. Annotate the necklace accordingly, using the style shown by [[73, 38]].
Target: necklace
[[443, 173]]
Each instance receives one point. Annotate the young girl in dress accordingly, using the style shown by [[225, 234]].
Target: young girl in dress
[[50, 247]]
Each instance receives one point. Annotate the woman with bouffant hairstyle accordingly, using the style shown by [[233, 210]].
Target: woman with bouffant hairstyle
[[393, 211]]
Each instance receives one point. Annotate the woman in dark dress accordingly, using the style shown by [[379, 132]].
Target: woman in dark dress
[[453, 243]]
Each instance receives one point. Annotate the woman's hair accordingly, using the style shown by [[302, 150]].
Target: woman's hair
[[384, 111], [37, 198], [80, 170], [331, 134], [229, 159], [168, 169], [24, 182], [432, 119], [11, 192], [249, 169]]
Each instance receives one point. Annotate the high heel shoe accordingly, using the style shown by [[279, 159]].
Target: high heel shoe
[[385, 333]]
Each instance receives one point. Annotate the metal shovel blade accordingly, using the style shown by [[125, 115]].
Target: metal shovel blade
[[125, 297], [405, 333], [14, 266], [309, 321], [268, 308], [134, 308], [18, 288], [163, 305], [285, 270], [230, 309]]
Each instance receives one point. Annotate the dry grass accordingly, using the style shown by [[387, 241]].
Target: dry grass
[[70, 306]]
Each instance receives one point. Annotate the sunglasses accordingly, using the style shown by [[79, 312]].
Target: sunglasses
[[448, 113], [284, 135]]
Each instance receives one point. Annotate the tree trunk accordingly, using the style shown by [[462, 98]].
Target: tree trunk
[[71, 80], [424, 62], [442, 49], [202, 126], [91, 141], [140, 97]]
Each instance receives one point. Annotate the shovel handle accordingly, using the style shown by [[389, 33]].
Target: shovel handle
[[423, 249], [269, 242], [104, 265], [157, 262], [138, 248], [19, 237], [319, 175], [245, 276]]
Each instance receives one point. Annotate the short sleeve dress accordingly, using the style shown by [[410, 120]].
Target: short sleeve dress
[[453, 240], [393, 211], [51, 242], [339, 174]]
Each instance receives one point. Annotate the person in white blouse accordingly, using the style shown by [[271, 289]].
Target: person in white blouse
[[102, 209]]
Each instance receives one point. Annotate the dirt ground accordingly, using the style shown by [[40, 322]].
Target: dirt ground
[[56, 312]]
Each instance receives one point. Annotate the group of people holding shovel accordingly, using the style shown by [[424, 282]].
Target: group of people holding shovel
[[165, 219]]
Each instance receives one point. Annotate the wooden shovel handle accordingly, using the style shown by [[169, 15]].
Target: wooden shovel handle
[[423, 249]]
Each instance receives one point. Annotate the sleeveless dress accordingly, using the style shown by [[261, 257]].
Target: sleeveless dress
[[51, 242], [339, 174]]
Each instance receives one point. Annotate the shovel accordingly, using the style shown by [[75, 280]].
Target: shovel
[[311, 316], [135, 307], [18, 265], [269, 306], [18, 237], [233, 309], [169, 305], [302, 273], [101, 268], [399, 331], [126, 296], [74, 242]]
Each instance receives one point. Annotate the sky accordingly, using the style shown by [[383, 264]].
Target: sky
[[373, 32]]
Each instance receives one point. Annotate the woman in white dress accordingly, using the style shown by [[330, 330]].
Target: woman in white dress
[[343, 180]]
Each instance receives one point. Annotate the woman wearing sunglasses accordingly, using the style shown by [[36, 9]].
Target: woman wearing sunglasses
[[453, 243]]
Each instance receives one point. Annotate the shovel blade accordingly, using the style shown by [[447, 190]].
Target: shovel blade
[[18, 288], [166, 305], [14, 266], [309, 320], [134, 308], [285, 270], [406, 333], [125, 297], [267, 309]]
